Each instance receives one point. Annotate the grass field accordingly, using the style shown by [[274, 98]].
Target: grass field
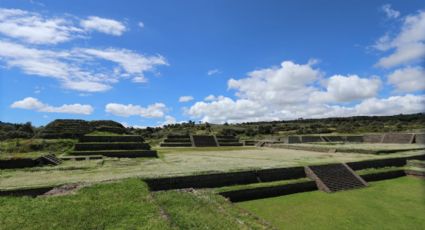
[[390, 204], [125, 205], [175, 162]]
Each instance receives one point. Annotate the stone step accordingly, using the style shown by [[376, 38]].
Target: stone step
[[230, 144], [176, 144], [118, 153], [111, 146], [126, 138]]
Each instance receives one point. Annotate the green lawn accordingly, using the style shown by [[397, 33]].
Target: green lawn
[[390, 204], [125, 205]]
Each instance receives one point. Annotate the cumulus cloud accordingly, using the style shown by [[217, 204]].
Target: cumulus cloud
[[156, 110], [141, 24], [292, 91], [31, 103], [34, 28], [407, 46], [288, 83], [347, 88], [103, 25], [185, 98], [408, 79], [389, 11]]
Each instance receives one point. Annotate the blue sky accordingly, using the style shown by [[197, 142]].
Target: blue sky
[[147, 63]]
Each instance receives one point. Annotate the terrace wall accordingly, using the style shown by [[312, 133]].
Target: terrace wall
[[398, 138]]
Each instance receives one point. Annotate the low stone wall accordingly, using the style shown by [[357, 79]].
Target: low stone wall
[[309, 139], [33, 192], [225, 179], [202, 181], [119, 154], [293, 140], [357, 139], [398, 138], [383, 175], [334, 138], [272, 191], [373, 138], [381, 163], [18, 163], [266, 175]]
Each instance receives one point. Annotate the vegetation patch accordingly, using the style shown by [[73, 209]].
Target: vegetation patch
[[124, 205]]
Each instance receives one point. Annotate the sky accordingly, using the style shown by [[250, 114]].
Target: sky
[[151, 63]]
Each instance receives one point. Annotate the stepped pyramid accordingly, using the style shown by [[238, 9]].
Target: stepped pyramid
[[129, 146]]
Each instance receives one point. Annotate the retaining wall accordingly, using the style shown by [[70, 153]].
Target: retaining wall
[[33, 192], [420, 138], [354, 139], [381, 163], [111, 139], [373, 138], [110, 146], [225, 179], [383, 175], [272, 191], [308, 139], [398, 138], [18, 163], [122, 154]]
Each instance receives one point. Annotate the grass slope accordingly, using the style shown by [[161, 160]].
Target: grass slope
[[123, 205], [390, 204]]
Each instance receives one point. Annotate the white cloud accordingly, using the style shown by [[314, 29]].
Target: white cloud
[[79, 69], [213, 72], [390, 12], [291, 91], [31, 103], [185, 98], [141, 24], [34, 28], [103, 25], [169, 120], [408, 79], [347, 88], [152, 111], [289, 83], [129, 61], [393, 105], [407, 46]]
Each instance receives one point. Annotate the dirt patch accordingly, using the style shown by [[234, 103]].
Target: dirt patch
[[67, 189]]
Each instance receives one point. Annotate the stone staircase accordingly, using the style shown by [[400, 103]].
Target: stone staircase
[[49, 159], [228, 141], [129, 146], [334, 177]]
